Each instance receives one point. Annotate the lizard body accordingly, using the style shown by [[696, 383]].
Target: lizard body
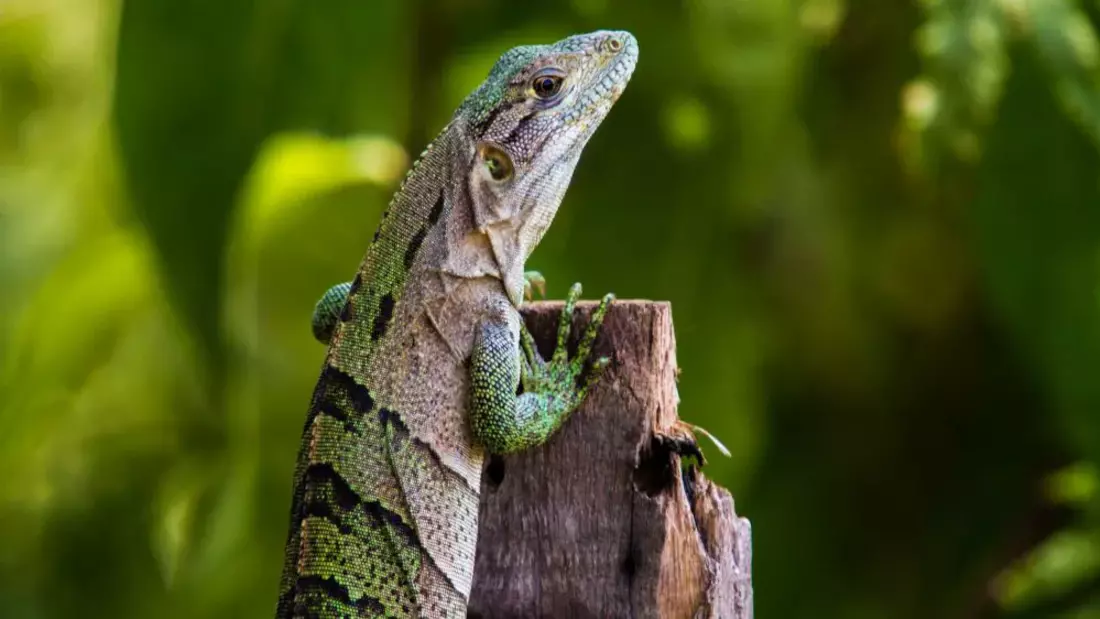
[[427, 350]]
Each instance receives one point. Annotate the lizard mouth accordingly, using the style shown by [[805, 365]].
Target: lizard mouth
[[616, 76]]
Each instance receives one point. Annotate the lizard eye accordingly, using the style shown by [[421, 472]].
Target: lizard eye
[[497, 162], [546, 86]]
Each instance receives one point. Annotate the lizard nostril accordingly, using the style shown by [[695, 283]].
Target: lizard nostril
[[614, 45]]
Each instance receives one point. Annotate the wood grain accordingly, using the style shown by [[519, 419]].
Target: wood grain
[[603, 521]]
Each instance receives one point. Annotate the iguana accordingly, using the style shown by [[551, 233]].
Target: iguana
[[429, 366]]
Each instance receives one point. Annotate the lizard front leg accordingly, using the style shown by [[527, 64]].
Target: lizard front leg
[[506, 422]]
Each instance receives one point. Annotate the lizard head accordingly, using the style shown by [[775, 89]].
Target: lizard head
[[528, 124]]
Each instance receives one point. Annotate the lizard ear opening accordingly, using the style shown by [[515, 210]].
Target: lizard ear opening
[[497, 162]]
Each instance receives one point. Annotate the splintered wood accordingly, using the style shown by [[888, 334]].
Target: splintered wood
[[603, 521]]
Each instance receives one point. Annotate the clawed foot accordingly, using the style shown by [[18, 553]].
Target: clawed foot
[[680, 439], [559, 375], [533, 280]]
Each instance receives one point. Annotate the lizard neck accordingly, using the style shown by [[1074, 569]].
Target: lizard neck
[[487, 236]]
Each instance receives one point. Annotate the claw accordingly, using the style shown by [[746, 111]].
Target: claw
[[593, 330], [680, 440], [594, 375], [530, 351], [597, 369], [565, 324]]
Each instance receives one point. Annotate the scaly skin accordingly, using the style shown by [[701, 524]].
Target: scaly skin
[[427, 350]]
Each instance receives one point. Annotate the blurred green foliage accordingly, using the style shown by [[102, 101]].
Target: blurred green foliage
[[878, 224]]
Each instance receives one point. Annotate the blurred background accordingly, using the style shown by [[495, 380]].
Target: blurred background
[[878, 223]]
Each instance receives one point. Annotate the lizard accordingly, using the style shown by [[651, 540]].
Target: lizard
[[429, 366]]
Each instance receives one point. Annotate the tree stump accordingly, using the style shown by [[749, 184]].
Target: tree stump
[[605, 520]]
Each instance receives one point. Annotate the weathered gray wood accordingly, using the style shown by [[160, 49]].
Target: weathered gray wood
[[603, 521]]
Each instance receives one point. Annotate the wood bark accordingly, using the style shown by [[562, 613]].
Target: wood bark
[[605, 520]]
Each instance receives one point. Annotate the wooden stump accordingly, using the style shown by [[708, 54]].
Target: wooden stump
[[603, 521]]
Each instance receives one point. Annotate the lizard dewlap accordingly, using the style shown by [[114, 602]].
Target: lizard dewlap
[[426, 350]]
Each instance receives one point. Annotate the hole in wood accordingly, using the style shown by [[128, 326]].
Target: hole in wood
[[629, 568], [494, 472], [654, 473]]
